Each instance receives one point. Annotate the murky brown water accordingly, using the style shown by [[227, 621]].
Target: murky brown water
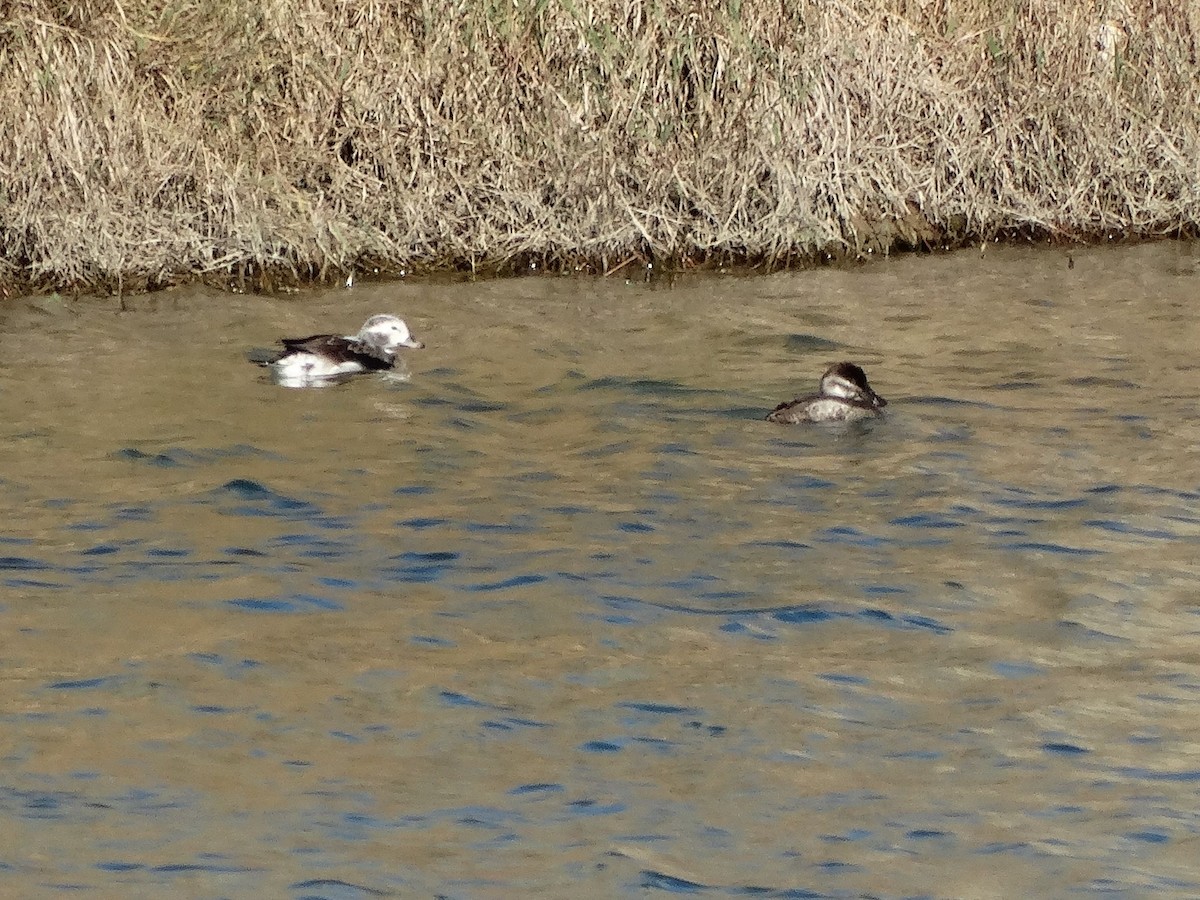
[[561, 614]]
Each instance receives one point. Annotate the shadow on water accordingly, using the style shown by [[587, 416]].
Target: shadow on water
[[580, 621]]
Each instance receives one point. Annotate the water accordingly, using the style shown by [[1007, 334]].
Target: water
[[561, 615]]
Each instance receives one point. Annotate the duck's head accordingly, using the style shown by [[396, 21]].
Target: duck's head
[[848, 381], [387, 334]]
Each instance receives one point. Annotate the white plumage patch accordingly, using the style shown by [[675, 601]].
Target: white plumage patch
[[310, 370]]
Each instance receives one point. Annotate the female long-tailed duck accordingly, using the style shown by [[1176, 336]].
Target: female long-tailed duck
[[326, 358], [844, 396]]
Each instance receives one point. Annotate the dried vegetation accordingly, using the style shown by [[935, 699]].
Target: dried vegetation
[[146, 141]]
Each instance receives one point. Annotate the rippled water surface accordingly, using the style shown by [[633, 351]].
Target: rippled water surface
[[561, 615]]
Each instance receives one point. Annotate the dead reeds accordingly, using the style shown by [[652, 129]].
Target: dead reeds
[[152, 140]]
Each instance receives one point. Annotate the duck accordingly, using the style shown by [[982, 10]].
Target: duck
[[326, 358], [844, 396]]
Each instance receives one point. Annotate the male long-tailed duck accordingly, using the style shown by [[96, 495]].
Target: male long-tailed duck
[[844, 396], [326, 358]]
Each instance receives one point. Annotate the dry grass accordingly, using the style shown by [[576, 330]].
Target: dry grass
[[152, 140]]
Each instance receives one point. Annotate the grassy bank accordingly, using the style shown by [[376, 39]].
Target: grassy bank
[[151, 140]]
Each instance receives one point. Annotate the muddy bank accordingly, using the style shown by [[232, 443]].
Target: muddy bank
[[257, 145]]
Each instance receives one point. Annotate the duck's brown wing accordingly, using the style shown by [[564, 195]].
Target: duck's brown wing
[[336, 349], [790, 412], [317, 343]]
